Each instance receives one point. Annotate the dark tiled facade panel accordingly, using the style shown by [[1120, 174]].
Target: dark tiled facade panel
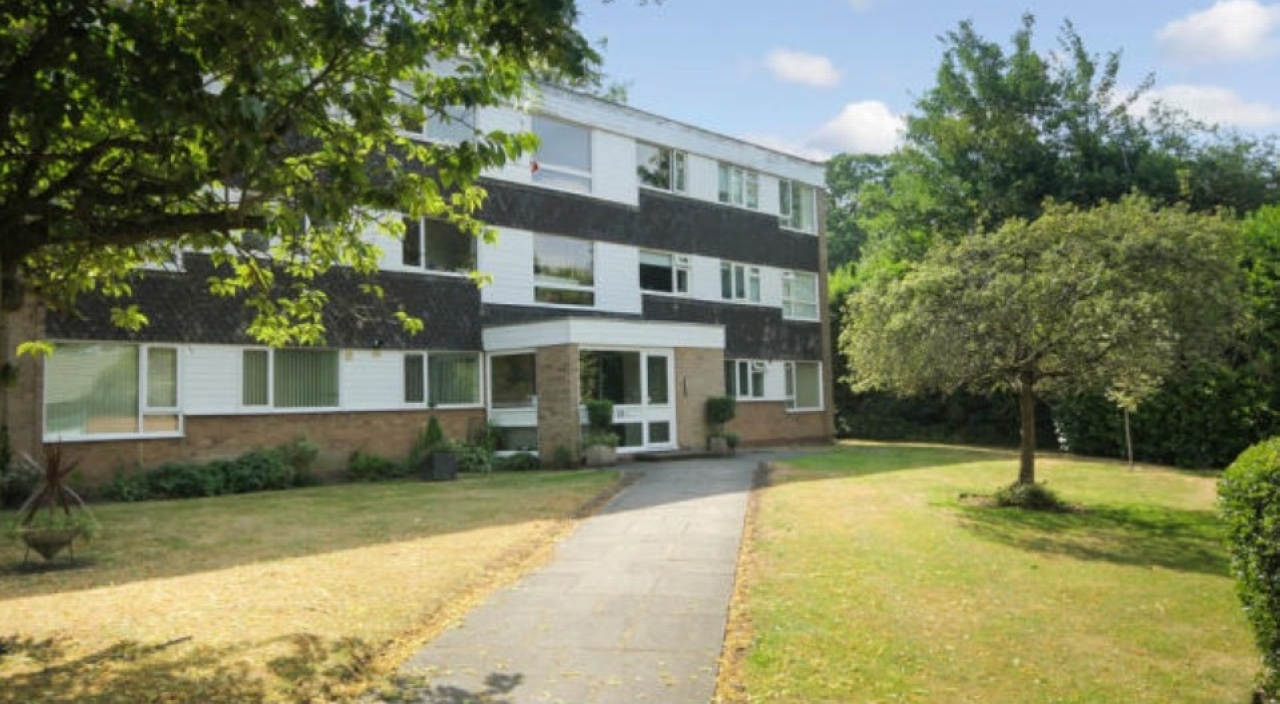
[[663, 221], [755, 332], [181, 309]]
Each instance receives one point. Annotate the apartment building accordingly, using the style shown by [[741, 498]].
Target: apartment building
[[637, 259]]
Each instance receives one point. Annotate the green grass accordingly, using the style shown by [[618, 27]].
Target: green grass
[[870, 581], [302, 595]]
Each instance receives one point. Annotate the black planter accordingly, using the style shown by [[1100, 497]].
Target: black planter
[[444, 467]]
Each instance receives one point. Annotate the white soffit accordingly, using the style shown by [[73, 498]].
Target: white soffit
[[602, 332]]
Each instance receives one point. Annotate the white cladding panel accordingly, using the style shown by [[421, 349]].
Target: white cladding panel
[[210, 380], [617, 277], [771, 286], [613, 168], [704, 278], [602, 332], [768, 194], [392, 256], [512, 121], [704, 178], [371, 379], [509, 261]]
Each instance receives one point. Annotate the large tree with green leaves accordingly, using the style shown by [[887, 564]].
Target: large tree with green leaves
[[1108, 299]]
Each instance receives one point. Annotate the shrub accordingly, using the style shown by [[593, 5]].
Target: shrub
[[259, 470], [721, 410], [127, 488], [519, 462], [1249, 501], [17, 479], [301, 455], [600, 414], [184, 480], [1034, 497], [562, 458], [474, 458], [367, 467]]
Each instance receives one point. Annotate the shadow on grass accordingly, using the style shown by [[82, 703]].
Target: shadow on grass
[[867, 459], [1148, 536], [413, 690], [180, 672]]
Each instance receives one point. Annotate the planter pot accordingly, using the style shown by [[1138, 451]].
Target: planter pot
[[719, 445], [49, 542], [444, 467], [601, 455]]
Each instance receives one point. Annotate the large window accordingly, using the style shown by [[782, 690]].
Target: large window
[[436, 245], [660, 167], [563, 271], [800, 295], [513, 380], [290, 378], [739, 282], [455, 124], [797, 206], [744, 378], [103, 389], [739, 186], [442, 378], [804, 386], [667, 273], [563, 159]]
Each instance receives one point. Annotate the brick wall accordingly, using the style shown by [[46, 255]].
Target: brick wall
[[769, 423], [699, 376], [559, 425], [389, 434]]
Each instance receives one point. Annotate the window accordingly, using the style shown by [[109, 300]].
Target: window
[[800, 295], [436, 245], [739, 186], [744, 378], [105, 389], [797, 206], [453, 379], [289, 378], [563, 271], [415, 378], [563, 159], [513, 380], [666, 273], [456, 124], [739, 282], [660, 167], [804, 386]]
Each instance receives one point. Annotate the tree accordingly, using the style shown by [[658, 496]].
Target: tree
[[847, 174], [142, 127], [1108, 299]]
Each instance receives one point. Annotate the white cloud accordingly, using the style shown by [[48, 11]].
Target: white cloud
[[799, 67], [1231, 29], [866, 127], [1213, 104]]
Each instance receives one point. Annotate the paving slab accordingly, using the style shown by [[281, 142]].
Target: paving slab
[[632, 607]]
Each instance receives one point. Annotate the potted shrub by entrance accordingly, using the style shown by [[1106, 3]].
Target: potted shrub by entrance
[[721, 410], [433, 456], [600, 442], [54, 516]]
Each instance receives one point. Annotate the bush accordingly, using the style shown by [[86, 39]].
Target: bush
[[519, 462], [127, 488], [721, 410], [184, 480], [1033, 497], [301, 455], [474, 458], [599, 415], [366, 467], [259, 470], [1249, 500]]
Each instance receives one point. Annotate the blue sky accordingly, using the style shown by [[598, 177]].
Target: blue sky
[[818, 77]]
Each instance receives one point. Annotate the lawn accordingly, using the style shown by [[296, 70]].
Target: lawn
[[866, 579], [303, 595]]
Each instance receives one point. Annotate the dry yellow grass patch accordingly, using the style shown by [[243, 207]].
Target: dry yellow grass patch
[[316, 626]]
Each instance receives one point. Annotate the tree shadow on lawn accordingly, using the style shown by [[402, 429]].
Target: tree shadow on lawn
[[1147, 536], [866, 459], [180, 672]]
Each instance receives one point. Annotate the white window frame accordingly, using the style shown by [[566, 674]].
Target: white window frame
[[751, 282], [143, 409], [791, 303], [564, 286], [575, 179], [681, 273], [791, 196], [790, 385], [753, 371], [739, 186], [418, 230], [677, 175], [270, 405], [480, 397], [423, 370]]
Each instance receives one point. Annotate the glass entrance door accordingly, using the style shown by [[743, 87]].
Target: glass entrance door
[[639, 383]]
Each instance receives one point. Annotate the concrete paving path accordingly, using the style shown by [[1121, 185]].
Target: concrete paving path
[[632, 608]]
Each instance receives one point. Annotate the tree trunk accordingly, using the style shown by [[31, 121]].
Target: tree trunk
[[6, 355], [1128, 437], [1027, 419]]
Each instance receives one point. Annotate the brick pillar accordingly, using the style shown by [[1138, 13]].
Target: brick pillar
[[558, 395], [699, 376]]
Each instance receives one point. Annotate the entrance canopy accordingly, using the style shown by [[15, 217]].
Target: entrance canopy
[[603, 332]]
